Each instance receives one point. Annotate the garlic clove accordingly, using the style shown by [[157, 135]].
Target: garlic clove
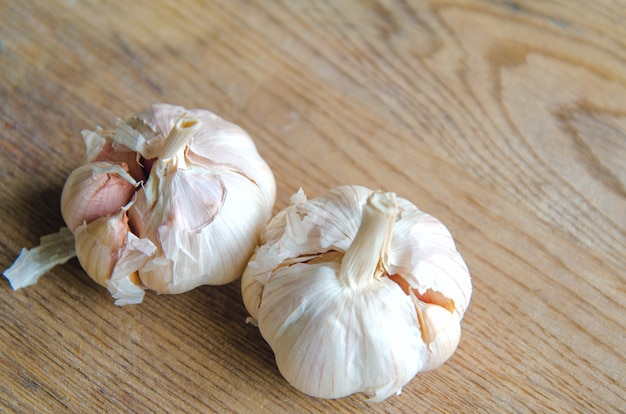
[[441, 331], [227, 146], [188, 255], [423, 251], [95, 190], [98, 245], [436, 270], [107, 249], [439, 322]]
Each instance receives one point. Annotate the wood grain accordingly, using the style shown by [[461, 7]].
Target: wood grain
[[504, 119]]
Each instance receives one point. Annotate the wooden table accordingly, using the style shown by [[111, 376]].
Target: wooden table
[[504, 119]]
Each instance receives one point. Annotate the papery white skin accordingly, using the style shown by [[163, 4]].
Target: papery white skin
[[331, 340], [54, 249]]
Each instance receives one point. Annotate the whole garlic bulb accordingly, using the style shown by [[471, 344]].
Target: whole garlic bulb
[[206, 198], [172, 199], [356, 291]]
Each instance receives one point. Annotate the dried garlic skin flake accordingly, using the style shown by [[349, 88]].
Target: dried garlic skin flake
[[356, 291], [54, 249]]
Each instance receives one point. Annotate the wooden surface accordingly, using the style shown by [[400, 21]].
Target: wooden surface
[[504, 119]]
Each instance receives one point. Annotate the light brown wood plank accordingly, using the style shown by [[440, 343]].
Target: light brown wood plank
[[506, 120]]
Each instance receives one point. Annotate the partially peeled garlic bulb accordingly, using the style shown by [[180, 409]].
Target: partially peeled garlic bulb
[[356, 291], [172, 199]]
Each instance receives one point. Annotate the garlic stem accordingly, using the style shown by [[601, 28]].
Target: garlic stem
[[362, 260], [179, 136]]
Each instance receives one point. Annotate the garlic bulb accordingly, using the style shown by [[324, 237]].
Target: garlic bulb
[[173, 198], [356, 291]]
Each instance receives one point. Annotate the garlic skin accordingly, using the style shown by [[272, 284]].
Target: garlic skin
[[356, 291], [95, 190], [112, 255], [98, 245], [172, 199], [54, 249]]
